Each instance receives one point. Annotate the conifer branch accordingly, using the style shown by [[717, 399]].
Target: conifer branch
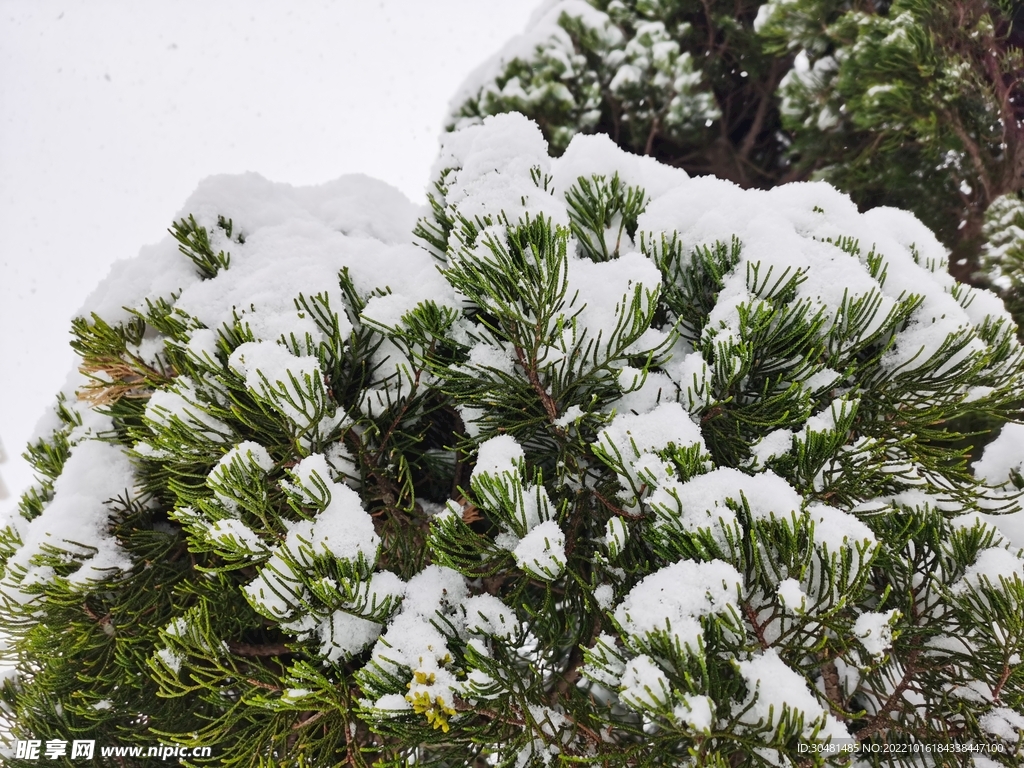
[[882, 720], [530, 367]]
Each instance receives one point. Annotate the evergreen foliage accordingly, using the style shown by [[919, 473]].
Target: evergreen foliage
[[909, 103], [616, 468], [1003, 255]]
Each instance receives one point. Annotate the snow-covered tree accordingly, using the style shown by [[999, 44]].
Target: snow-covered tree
[[686, 82], [912, 103], [611, 466], [1003, 254]]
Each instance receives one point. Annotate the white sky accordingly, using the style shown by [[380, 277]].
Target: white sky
[[111, 111]]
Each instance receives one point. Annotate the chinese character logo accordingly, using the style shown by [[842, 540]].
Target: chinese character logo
[[83, 749]]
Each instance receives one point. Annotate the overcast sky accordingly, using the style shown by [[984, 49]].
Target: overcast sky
[[111, 111]]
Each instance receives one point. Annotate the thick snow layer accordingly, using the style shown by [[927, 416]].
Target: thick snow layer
[[1002, 457], [286, 242], [772, 445], [698, 712], [343, 632], [808, 237], [291, 384], [644, 686], [992, 566], [789, 228], [344, 528], [542, 551], [341, 529], [657, 604], [499, 455], [602, 291], [343, 635], [597, 155], [498, 484], [874, 631], [487, 615], [705, 501], [837, 529], [808, 233], [772, 684], [792, 596], [488, 171], [354, 221], [79, 517], [412, 639], [632, 441]]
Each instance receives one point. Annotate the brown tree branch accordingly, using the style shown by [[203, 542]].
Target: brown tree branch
[[651, 135], [833, 691], [257, 651], [751, 615], [550, 407], [973, 151], [764, 101], [880, 721]]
